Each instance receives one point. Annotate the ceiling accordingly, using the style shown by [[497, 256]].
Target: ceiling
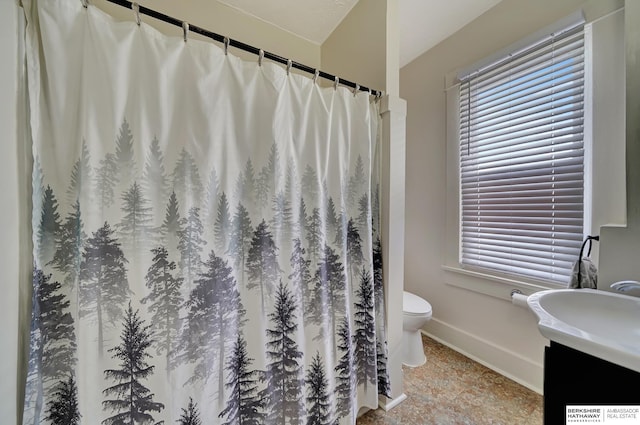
[[423, 23]]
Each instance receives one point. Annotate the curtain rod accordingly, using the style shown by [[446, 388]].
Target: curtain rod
[[238, 44]]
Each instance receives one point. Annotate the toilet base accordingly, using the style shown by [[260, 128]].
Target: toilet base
[[413, 350]]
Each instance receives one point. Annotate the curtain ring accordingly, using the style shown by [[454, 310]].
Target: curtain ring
[[226, 45], [136, 10], [85, 3], [315, 76], [356, 89], [289, 64], [185, 30], [336, 81], [260, 57]]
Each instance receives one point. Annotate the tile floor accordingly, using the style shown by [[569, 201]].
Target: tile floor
[[451, 389]]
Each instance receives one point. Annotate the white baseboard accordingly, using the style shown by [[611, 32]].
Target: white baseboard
[[387, 404], [512, 365]]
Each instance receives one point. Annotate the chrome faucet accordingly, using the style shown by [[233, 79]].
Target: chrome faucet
[[625, 285]]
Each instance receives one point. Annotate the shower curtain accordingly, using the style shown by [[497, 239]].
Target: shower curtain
[[205, 231]]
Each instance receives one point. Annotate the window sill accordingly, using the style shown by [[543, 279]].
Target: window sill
[[492, 285]]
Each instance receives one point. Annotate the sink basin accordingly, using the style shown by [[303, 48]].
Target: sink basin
[[603, 324]]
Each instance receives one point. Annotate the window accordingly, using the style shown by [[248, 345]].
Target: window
[[521, 160]]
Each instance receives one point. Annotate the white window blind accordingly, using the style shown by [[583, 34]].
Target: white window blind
[[521, 160]]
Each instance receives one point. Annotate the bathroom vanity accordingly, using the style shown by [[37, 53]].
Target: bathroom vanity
[[572, 377], [594, 351], [593, 357]]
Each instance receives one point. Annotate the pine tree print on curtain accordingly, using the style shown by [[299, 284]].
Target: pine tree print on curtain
[[318, 399], [62, 408], [190, 245], [190, 415], [104, 287], [105, 180], [52, 339], [155, 182], [240, 240], [129, 400], [262, 265], [80, 174], [135, 226], [244, 405], [165, 301], [49, 226], [124, 158], [68, 256], [171, 227], [284, 402], [214, 315], [203, 262], [328, 302], [364, 336], [345, 371], [222, 224]]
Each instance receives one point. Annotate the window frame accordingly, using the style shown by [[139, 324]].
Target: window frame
[[605, 145], [496, 240], [491, 282]]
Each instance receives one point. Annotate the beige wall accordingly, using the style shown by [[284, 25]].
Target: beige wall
[[356, 49], [608, 136], [620, 245], [486, 327]]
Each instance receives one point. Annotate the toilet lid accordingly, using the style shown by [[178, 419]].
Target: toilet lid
[[413, 304]]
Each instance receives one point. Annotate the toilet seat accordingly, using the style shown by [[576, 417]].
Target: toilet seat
[[413, 305]]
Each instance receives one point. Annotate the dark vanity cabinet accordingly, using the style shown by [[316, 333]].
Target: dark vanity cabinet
[[572, 377]]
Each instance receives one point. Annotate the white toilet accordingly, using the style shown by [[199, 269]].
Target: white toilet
[[415, 313]]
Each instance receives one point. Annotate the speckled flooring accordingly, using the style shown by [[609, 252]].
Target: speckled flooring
[[452, 389]]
